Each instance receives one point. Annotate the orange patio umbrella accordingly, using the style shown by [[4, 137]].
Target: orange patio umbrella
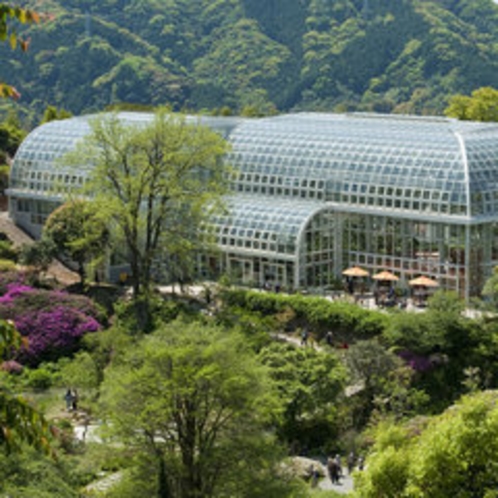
[[386, 276], [423, 282], [355, 271]]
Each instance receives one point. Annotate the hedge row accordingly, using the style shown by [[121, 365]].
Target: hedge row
[[320, 314]]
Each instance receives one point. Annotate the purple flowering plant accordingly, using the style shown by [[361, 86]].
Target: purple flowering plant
[[53, 321], [20, 298], [14, 290], [52, 334], [9, 277]]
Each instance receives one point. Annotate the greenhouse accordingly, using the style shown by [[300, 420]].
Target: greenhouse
[[316, 193]]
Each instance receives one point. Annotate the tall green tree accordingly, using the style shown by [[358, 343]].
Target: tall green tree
[[78, 232], [195, 401], [11, 136], [39, 254], [51, 113], [482, 105], [156, 183], [310, 384], [382, 382]]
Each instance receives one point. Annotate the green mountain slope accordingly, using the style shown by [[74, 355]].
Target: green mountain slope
[[378, 55]]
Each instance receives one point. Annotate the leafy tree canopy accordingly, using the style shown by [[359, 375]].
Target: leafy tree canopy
[[195, 400], [482, 105], [405, 56], [155, 184], [309, 384], [454, 454], [77, 231], [29, 473], [52, 113]]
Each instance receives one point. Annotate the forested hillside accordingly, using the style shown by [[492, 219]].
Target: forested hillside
[[376, 55]]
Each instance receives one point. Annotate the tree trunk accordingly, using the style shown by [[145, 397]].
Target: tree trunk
[[82, 274], [143, 314], [163, 490]]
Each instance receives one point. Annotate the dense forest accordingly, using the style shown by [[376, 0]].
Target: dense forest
[[404, 56]]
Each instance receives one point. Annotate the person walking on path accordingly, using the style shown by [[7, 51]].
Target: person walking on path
[[68, 397], [304, 337], [329, 338], [333, 470], [351, 462], [75, 399], [315, 476], [339, 465]]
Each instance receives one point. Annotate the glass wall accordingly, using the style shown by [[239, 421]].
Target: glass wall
[[314, 193], [410, 248]]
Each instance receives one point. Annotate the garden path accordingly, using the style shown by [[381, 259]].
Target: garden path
[[103, 484], [345, 485]]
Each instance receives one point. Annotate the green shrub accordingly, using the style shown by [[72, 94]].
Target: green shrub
[[160, 311], [40, 379], [318, 313], [7, 265], [30, 473], [7, 250]]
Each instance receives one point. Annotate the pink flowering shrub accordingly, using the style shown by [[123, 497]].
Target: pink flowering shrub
[[53, 321], [11, 366]]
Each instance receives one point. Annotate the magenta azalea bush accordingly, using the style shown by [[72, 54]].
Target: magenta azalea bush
[[14, 290], [53, 321], [52, 334], [11, 277]]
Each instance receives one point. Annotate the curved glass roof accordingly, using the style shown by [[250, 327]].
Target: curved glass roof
[[263, 225], [423, 165], [399, 164], [482, 156], [34, 169]]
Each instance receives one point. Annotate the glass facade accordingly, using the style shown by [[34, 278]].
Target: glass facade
[[314, 193]]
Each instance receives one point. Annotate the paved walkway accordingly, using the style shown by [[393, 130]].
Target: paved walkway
[[344, 486], [88, 433], [104, 483]]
